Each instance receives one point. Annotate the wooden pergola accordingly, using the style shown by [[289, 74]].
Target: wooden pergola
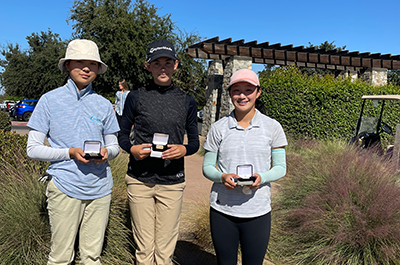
[[227, 56], [276, 54]]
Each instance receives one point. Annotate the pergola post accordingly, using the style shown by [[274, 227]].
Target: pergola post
[[232, 64], [218, 102], [352, 74], [213, 94], [376, 76]]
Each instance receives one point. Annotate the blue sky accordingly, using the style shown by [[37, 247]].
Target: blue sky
[[365, 26]]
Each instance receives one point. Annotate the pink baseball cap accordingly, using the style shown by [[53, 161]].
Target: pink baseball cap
[[244, 75]]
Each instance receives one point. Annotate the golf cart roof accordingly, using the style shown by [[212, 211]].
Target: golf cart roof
[[382, 97]]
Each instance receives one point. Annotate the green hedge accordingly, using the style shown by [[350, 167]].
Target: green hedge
[[317, 107]]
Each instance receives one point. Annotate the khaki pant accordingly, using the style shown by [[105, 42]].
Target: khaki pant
[[66, 216], [155, 214]]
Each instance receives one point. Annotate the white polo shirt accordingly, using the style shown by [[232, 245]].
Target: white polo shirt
[[237, 146], [68, 118]]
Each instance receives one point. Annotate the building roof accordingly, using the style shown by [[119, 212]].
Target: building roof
[[276, 54]]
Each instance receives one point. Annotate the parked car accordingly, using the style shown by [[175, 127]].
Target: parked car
[[23, 109], [6, 105]]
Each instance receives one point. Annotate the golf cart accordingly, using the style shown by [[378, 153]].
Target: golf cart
[[369, 128]]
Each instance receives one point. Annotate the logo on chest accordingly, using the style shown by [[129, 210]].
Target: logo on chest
[[96, 119]]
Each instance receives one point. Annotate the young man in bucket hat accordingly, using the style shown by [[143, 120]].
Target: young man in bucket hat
[[79, 188], [155, 179]]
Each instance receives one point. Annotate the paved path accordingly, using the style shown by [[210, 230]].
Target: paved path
[[197, 186], [197, 190]]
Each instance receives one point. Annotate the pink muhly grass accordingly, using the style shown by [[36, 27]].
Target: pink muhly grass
[[340, 205]]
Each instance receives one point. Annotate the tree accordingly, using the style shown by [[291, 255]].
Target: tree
[[33, 72], [191, 74], [122, 32], [13, 77], [327, 46]]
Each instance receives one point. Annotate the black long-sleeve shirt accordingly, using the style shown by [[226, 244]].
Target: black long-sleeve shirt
[[157, 109]]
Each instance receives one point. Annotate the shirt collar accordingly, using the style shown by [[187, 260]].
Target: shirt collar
[[162, 89], [255, 121], [73, 89]]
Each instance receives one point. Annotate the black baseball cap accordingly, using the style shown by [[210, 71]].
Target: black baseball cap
[[160, 48]]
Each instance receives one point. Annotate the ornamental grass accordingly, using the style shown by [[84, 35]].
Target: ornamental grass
[[336, 205], [24, 225]]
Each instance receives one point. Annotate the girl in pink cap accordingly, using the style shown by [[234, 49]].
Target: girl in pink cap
[[239, 150]]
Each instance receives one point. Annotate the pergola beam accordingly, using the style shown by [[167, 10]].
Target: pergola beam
[[277, 54]]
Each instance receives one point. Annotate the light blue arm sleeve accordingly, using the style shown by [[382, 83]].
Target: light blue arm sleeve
[[209, 169], [278, 169]]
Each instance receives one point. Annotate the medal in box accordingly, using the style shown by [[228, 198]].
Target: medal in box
[[159, 145], [245, 173], [92, 150]]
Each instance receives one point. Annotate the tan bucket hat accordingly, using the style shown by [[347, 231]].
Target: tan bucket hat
[[81, 49]]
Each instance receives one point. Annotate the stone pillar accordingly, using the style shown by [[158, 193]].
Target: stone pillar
[[350, 73], [218, 102], [376, 76], [213, 95], [353, 75], [232, 64]]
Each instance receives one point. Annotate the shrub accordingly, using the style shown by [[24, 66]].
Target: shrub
[[320, 107], [336, 206], [13, 151], [5, 122]]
